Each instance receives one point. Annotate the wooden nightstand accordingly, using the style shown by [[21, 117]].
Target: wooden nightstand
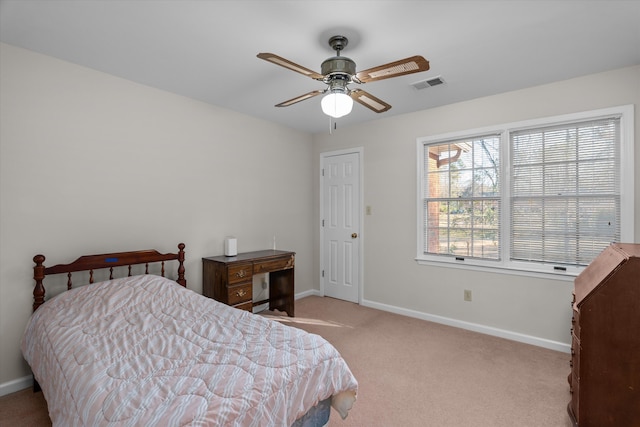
[[230, 279]]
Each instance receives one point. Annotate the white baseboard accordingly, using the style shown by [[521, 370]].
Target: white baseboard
[[16, 385], [311, 292], [502, 333]]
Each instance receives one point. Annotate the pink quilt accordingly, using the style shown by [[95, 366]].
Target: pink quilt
[[144, 351]]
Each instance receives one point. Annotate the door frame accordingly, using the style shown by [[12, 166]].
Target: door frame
[[360, 152]]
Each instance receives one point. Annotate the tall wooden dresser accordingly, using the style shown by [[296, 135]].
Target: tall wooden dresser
[[605, 351]]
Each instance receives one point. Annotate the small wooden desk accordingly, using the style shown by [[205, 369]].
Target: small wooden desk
[[230, 279]]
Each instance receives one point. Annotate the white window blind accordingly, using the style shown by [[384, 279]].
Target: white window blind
[[565, 191]]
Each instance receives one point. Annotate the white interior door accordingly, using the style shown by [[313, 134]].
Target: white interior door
[[341, 213]]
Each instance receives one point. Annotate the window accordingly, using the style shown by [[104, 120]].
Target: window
[[462, 198], [539, 196]]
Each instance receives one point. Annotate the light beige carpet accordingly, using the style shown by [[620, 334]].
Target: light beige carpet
[[417, 373], [412, 373]]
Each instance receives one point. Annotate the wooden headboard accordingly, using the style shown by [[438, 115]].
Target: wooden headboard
[[96, 262]]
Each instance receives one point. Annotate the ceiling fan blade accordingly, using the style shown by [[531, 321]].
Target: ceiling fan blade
[[414, 64], [369, 101], [300, 98], [278, 60]]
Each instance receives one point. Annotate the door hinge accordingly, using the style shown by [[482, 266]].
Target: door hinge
[[322, 273], [323, 222], [323, 172]]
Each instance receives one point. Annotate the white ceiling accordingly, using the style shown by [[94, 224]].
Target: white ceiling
[[206, 49]]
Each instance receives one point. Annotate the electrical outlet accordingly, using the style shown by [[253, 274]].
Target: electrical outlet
[[467, 295], [368, 210]]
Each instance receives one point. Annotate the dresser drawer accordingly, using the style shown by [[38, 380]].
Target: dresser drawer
[[239, 293], [273, 265], [575, 358], [238, 273], [576, 323], [574, 404]]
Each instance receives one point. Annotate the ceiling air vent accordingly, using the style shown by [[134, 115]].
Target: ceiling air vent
[[428, 83]]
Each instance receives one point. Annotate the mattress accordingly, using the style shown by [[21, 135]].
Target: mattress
[[143, 350]]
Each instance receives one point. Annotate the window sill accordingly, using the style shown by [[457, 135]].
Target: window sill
[[517, 269]]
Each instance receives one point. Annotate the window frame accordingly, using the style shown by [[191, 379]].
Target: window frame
[[504, 264]]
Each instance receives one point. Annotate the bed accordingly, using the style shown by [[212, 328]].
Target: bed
[[144, 350]]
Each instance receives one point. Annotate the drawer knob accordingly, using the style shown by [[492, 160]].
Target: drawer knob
[[241, 293], [241, 273]]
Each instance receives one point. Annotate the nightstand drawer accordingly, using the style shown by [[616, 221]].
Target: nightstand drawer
[[239, 293], [273, 265], [246, 306], [239, 273]]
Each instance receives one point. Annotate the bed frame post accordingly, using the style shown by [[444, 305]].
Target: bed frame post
[[38, 298], [38, 276], [181, 280]]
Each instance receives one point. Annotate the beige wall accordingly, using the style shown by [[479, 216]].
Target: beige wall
[[538, 309], [91, 163]]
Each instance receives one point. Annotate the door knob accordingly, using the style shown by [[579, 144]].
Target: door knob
[[354, 235]]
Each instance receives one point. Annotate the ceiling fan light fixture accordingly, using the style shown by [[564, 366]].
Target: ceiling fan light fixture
[[336, 104]]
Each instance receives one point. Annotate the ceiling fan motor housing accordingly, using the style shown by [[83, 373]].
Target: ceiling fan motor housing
[[338, 65]]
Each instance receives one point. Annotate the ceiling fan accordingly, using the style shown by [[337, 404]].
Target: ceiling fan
[[339, 71]]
